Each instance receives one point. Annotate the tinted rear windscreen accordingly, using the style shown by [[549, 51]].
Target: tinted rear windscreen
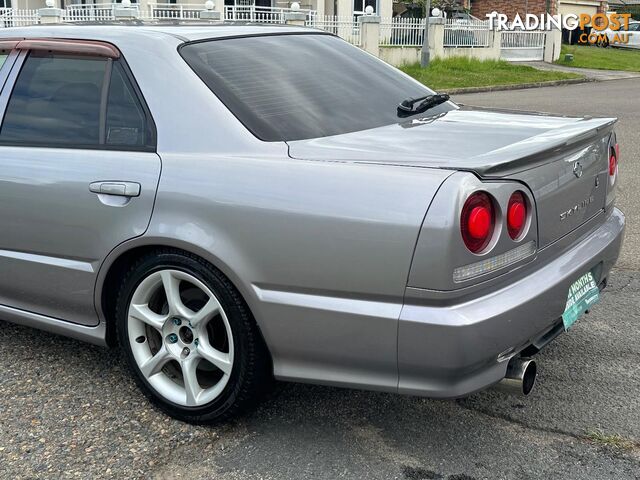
[[295, 87]]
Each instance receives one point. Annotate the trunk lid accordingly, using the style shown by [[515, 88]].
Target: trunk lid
[[563, 161]]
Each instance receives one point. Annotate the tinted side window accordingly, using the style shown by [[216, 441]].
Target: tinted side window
[[3, 57], [126, 121], [60, 100], [56, 101]]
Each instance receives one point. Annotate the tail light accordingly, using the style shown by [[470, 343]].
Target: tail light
[[516, 215], [477, 221], [614, 156]]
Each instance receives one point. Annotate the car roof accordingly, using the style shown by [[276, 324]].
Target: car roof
[[183, 31]]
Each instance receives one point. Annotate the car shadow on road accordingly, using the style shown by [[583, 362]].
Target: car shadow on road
[[80, 399]]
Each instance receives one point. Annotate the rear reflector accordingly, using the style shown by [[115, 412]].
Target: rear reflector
[[492, 264]]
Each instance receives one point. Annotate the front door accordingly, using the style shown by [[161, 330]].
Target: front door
[[78, 176]]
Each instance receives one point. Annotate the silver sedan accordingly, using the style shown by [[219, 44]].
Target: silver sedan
[[626, 37], [232, 204]]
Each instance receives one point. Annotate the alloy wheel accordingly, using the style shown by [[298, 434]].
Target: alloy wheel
[[180, 338]]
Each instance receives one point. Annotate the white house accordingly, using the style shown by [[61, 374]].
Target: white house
[[578, 7], [343, 8]]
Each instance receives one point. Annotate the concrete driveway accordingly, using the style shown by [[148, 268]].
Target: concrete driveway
[[69, 410], [590, 73]]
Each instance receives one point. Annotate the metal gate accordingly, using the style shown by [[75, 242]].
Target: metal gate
[[522, 46]]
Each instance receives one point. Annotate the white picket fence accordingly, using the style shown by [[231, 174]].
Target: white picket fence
[[347, 28], [401, 32], [155, 11], [251, 13], [405, 32], [522, 45], [90, 12], [162, 11], [18, 18], [466, 34], [523, 39]]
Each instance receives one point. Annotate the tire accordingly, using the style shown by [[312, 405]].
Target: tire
[[199, 357]]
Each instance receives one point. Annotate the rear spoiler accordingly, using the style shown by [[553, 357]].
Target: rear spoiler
[[536, 150]]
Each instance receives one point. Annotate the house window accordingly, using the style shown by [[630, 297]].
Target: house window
[[360, 5], [249, 3], [5, 3]]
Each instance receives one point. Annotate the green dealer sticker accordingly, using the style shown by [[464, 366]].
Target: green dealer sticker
[[583, 294]]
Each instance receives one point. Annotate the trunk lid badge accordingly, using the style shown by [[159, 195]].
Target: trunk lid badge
[[577, 169]]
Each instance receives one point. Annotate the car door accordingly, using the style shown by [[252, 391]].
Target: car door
[[78, 173], [634, 35]]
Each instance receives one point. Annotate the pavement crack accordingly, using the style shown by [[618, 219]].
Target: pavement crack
[[631, 452], [631, 276]]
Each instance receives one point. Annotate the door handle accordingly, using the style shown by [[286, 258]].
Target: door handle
[[120, 189]]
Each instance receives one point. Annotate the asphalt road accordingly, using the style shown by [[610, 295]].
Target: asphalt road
[[69, 410]]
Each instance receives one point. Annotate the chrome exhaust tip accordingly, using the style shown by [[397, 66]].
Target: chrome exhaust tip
[[520, 378]]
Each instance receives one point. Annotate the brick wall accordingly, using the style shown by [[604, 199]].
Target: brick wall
[[480, 8]]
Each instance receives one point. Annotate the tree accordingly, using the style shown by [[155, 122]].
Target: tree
[[447, 5], [634, 10], [444, 5]]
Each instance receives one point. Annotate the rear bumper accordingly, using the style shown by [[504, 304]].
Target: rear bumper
[[452, 350]]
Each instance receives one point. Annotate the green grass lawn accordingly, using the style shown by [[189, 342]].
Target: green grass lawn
[[463, 72], [601, 58]]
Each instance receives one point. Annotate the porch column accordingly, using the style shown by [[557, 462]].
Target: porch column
[[436, 37], [295, 17], [370, 33], [144, 7], [344, 8], [50, 14], [496, 44], [125, 11], [603, 7], [552, 45], [209, 12]]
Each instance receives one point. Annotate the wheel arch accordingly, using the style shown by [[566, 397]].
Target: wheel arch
[[118, 261]]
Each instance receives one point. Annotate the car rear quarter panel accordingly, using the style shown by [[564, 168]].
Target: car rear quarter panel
[[321, 252]]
